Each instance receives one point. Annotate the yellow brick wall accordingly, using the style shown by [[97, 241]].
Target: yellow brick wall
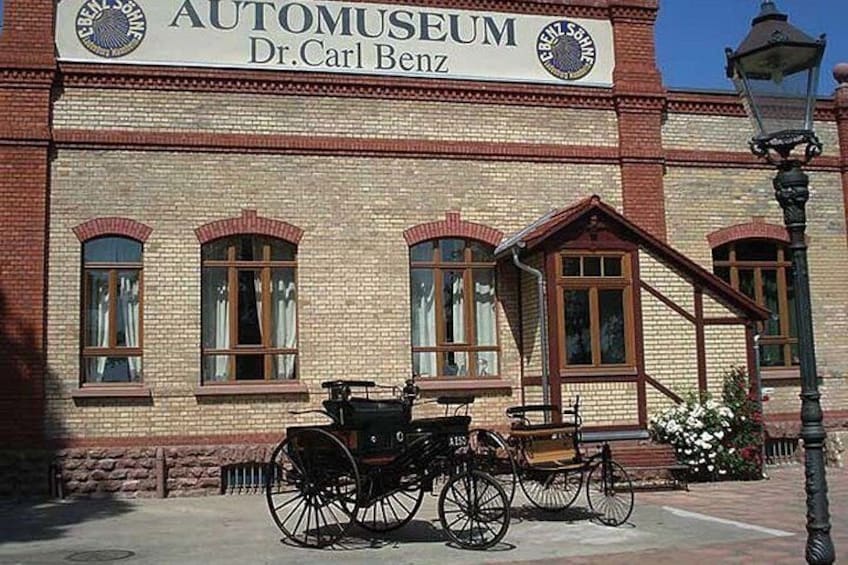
[[700, 201], [330, 116], [723, 133], [352, 267]]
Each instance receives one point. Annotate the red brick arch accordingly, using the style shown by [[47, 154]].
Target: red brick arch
[[249, 222], [756, 229], [99, 227], [452, 226]]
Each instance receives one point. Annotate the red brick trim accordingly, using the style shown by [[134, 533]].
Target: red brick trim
[[756, 229], [112, 226], [283, 388], [728, 105], [319, 84], [169, 440], [118, 392], [249, 222], [315, 145], [737, 160], [452, 226]]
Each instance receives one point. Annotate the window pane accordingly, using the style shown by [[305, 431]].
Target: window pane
[[97, 309], [423, 308], [571, 266], [487, 363], [455, 363], [453, 301], [422, 252], [723, 273], [796, 359], [281, 250], [217, 250], [424, 364], [612, 266], [112, 250], [481, 252], [611, 304], [771, 301], [452, 250], [128, 308], [216, 368], [284, 367], [112, 369], [754, 250], [249, 308], [249, 248], [215, 308], [746, 283], [250, 367], [772, 356], [591, 266], [721, 253], [578, 336], [283, 309], [484, 306]]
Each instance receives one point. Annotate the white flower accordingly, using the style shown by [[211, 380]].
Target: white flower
[[710, 467]]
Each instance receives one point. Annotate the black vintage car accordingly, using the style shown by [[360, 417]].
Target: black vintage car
[[372, 465]]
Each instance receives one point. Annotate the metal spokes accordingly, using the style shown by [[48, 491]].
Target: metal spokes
[[552, 490], [474, 510], [610, 493], [392, 510], [312, 493], [493, 456]]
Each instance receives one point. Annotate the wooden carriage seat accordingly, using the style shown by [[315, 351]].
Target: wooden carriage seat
[[544, 443]]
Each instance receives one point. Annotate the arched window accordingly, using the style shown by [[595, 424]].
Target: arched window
[[112, 310], [454, 327], [762, 270], [249, 309]]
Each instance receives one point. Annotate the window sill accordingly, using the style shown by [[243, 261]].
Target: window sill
[[610, 374], [463, 385], [112, 391], [292, 388]]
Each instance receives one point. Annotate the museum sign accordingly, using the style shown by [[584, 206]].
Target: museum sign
[[337, 37]]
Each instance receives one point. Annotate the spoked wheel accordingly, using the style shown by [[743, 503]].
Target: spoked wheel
[[610, 493], [493, 456], [393, 510], [474, 510], [312, 488], [552, 490]]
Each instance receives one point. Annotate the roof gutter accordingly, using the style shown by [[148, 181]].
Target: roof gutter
[[543, 320]]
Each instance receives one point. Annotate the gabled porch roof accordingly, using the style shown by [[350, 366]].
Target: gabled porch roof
[[556, 221]]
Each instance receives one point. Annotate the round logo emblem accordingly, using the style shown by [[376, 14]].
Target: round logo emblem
[[111, 28], [566, 50]]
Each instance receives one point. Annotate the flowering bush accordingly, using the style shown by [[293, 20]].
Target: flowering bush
[[718, 440]]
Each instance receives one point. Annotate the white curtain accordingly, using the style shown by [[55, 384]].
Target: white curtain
[[484, 307], [284, 316], [128, 309], [457, 302], [99, 325], [424, 320], [216, 322]]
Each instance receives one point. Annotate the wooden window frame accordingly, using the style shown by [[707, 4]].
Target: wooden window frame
[[264, 266], [783, 267], [467, 266], [594, 284], [113, 349]]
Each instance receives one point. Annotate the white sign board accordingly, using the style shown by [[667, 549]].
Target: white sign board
[[337, 37]]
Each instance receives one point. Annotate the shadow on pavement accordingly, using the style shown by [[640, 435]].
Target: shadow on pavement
[[37, 520]]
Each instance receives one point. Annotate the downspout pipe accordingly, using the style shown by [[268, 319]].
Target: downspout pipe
[[543, 320]]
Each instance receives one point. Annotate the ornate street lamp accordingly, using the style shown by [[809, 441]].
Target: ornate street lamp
[[776, 71]]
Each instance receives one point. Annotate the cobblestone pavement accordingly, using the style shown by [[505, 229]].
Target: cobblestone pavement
[[776, 503], [757, 522]]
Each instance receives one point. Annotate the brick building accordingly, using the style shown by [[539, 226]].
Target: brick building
[[194, 241]]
